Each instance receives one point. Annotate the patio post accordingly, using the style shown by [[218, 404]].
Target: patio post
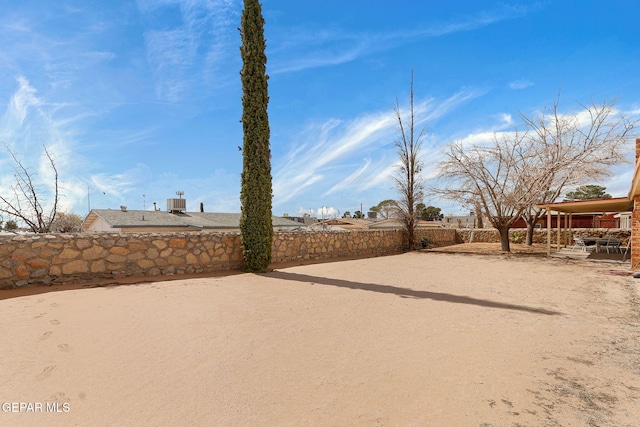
[[558, 219], [566, 226], [570, 232], [548, 231]]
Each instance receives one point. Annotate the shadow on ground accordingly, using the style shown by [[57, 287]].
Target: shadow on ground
[[405, 292]]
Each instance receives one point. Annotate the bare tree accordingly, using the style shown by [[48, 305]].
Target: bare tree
[[573, 149], [66, 223], [407, 178], [519, 170], [497, 176], [28, 201]]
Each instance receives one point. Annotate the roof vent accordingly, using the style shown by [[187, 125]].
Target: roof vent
[[123, 208], [176, 205]]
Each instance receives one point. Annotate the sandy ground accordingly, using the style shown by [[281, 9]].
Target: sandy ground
[[420, 339]]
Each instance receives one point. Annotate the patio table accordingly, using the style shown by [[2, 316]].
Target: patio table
[[600, 242]]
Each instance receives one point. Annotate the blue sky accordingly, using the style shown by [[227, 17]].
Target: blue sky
[[144, 98]]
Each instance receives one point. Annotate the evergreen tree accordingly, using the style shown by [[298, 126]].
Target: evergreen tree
[[255, 195], [588, 192], [431, 213]]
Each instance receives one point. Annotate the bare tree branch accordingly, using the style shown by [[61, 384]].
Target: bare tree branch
[[574, 149], [28, 201], [493, 176], [518, 170]]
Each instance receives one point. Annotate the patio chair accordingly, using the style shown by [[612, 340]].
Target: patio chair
[[578, 243], [611, 245], [614, 245]]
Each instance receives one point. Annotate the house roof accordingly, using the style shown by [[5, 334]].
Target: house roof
[[353, 222], [397, 223], [159, 219]]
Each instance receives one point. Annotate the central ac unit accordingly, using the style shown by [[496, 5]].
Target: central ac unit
[[176, 205]]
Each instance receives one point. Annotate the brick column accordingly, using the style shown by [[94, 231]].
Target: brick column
[[635, 233], [635, 223]]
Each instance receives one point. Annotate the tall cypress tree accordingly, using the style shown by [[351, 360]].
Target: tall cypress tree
[[255, 195]]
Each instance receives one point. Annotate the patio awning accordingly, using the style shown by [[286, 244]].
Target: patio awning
[[618, 204]]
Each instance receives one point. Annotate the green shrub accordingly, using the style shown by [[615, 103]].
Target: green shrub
[[517, 237]]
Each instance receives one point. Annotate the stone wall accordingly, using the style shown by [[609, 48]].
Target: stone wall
[[61, 258], [438, 236], [490, 235], [31, 260]]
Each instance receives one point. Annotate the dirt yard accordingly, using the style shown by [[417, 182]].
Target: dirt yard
[[428, 339]]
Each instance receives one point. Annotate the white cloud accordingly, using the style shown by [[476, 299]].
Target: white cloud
[[381, 176], [304, 48], [350, 181], [506, 119], [218, 192], [369, 175], [327, 212], [619, 183], [360, 149], [322, 212], [324, 146], [503, 124], [119, 185], [22, 102], [520, 84], [28, 123], [186, 59], [302, 211]]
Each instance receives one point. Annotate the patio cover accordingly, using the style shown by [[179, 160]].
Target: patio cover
[[617, 204]]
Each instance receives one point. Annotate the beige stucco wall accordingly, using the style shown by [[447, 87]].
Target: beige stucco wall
[[100, 225]]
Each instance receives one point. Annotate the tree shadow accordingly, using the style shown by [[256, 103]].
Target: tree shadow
[[406, 292]]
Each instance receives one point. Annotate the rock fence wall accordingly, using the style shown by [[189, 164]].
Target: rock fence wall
[[518, 235], [32, 260], [62, 258]]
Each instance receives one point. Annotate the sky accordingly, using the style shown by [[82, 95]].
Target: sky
[[137, 100]]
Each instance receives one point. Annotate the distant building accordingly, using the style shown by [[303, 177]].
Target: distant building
[[464, 221], [305, 219], [135, 221], [394, 223], [347, 223]]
